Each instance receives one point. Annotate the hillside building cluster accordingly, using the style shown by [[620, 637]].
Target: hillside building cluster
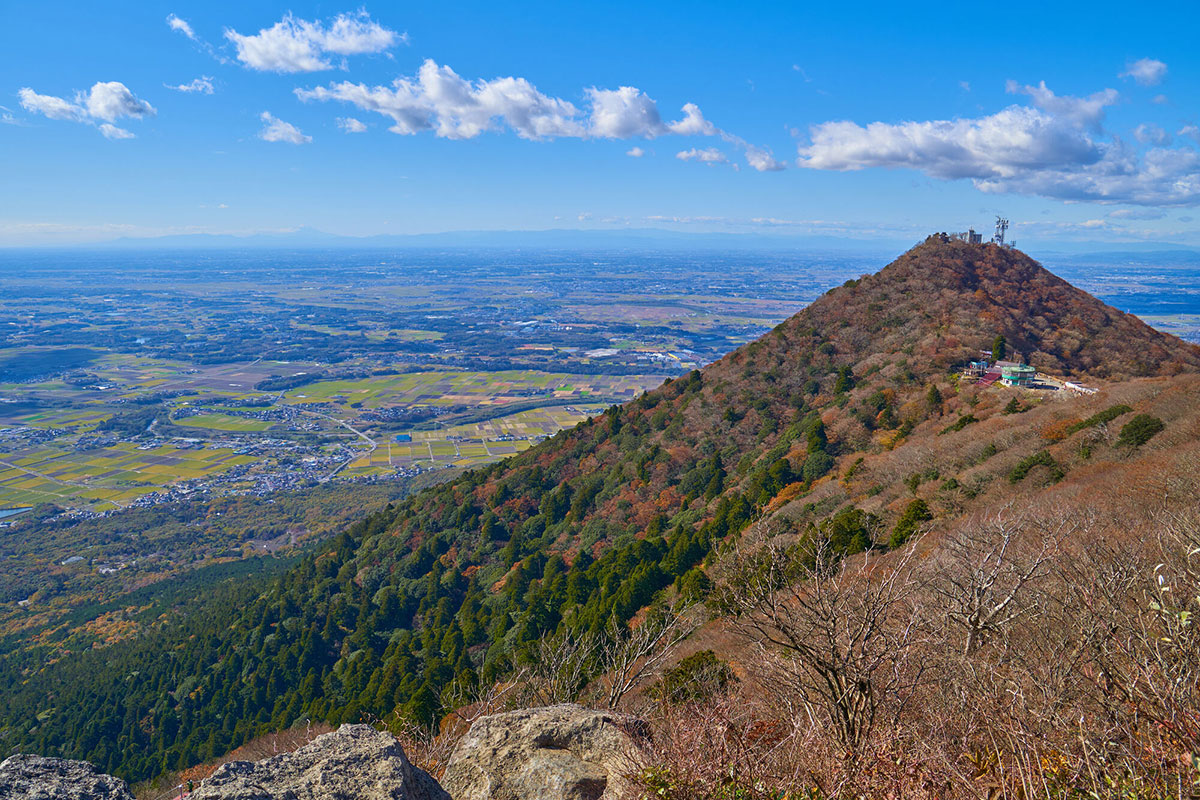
[[970, 236], [1007, 373]]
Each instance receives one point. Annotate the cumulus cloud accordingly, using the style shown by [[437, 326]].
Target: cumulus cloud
[[106, 100], [202, 85], [693, 123], [112, 100], [180, 25], [50, 106], [1082, 110], [635, 152], [709, 155], [763, 161], [113, 132], [1149, 133], [454, 108], [351, 125], [624, 113], [276, 130], [440, 100], [1055, 148], [298, 45], [1191, 131], [1145, 71]]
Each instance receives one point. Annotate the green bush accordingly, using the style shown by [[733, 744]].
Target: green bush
[[1105, 416], [1140, 430], [696, 677], [960, 423], [1040, 458], [909, 522]]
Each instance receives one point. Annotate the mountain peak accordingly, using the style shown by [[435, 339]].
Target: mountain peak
[[943, 301]]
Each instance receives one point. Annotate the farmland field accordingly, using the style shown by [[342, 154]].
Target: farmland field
[[144, 378]]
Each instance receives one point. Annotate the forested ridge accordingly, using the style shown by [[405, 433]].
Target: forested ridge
[[410, 610]]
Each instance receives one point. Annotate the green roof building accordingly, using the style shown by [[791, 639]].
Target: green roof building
[[1021, 375]]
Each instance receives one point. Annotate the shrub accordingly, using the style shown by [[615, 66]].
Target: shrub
[[1103, 417], [916, 513], [696, 677], [1140, 430], [960, 423], [1040, 458]]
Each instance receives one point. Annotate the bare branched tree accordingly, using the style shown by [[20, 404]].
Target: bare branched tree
[[560, 668], [987, 572], [839, 633], [630, 657]]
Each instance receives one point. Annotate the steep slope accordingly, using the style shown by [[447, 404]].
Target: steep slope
[[942, 301], [414, 608]]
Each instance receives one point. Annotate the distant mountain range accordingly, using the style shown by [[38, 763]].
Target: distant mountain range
[[307, 238]]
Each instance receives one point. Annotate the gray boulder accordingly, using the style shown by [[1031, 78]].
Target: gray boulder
[[24, 777], [565, 751], [355, 762]]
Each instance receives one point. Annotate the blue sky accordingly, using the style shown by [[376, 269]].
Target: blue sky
[[869, 121]]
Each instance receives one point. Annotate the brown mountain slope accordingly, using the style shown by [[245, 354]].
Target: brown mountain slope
[[943, 301]]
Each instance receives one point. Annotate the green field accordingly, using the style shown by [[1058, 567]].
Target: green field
[[473, 444], [223, 422], [453, 388], [112, 475]]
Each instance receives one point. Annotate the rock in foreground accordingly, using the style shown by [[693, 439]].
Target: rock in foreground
[[566, 752], [355, 762], [25, 777]]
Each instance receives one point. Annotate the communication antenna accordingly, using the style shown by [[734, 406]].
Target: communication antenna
[[1001, 227]]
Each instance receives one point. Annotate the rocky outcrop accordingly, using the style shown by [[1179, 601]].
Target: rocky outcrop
[[355, 762], [565, 751], [24, 777]]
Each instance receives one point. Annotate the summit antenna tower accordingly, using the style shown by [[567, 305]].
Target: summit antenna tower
[[1001, 228]]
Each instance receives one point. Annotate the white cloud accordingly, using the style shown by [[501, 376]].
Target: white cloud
[[438, 99], [180, 25], [1056, 149], [112, 100], [106, 100], [624, 113], [203, 85], [1191, 131], [1082, 110], [635, 152], [351, 125], [1149, 133], [709, 155], [1137, 213], [762, 160], [50, 106], [1160, 99], [693, 123], [276, 130], [999, 145], [113, 132], [297, 45], [1146, 71], [455, 108]]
